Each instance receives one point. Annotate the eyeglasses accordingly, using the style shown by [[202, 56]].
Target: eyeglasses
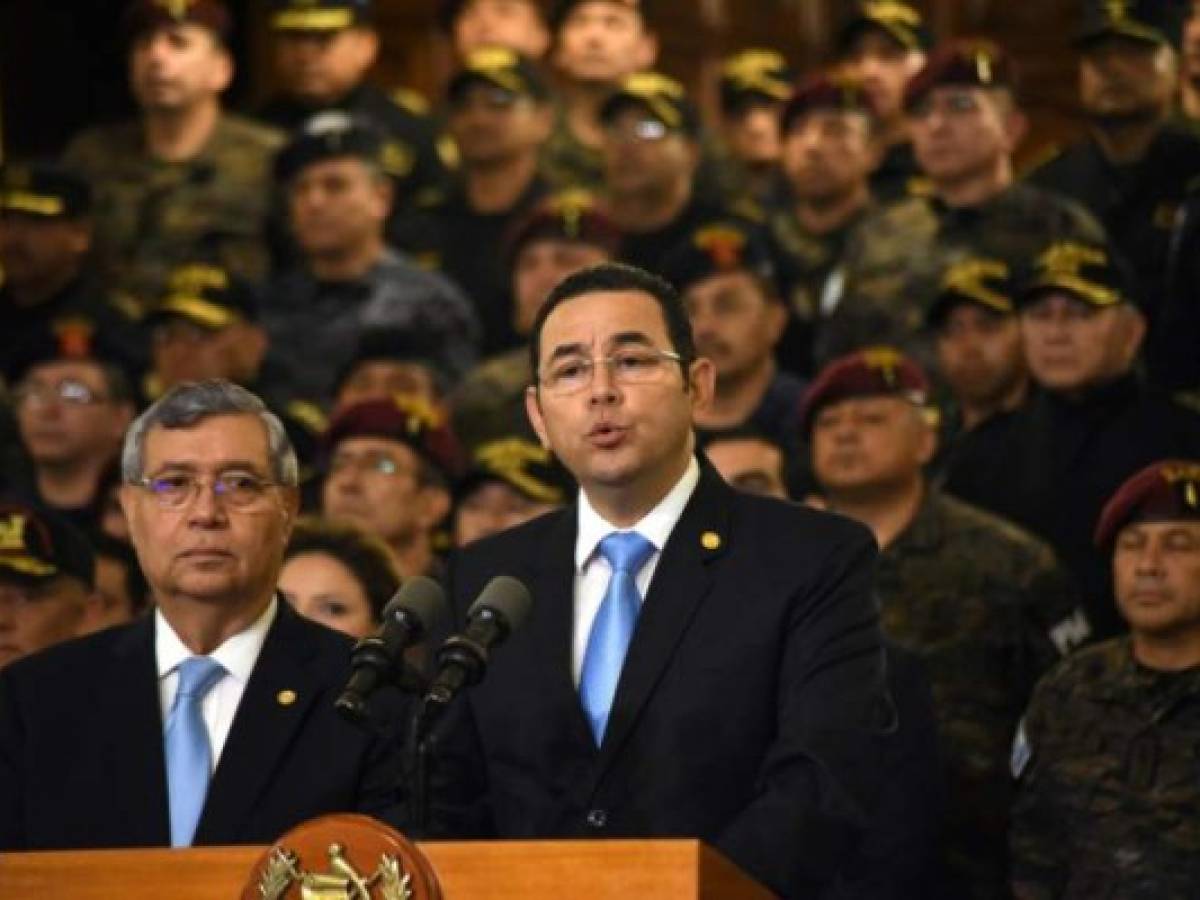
[[240, 490], [379, 463], [632, 366], [68, 391]]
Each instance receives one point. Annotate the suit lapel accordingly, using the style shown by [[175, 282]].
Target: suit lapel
[[681, 581], [130, 717], [263, 727], [553, 629]]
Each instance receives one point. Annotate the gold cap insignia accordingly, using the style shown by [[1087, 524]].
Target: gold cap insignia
[[12, 533], [724, 245]]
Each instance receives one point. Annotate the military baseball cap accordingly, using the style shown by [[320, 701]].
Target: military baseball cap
[[44, 190], [37, 544], [207, 295], [397, 345], [755, 74], [330, 135], [660, 96], [568, 215], [400, 418], [981, 280], [1090, 272], [963, 63], [833, 91], [871, 372], [902, 22], [527, 467], [320, 15], [716, 248], [1166, 491], [562, 8], [501, 68], [146, 15], [1149, 21]]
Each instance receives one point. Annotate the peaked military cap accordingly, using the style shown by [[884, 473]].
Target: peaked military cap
[[330, 135], [37, 544], [716, 248], [1087, 271], [524, 465], [983, 281], [207, 295], [320, 15], [661, 96], [502, 68], [1149, 21], [753, 74], [45, 190], [902, 22]]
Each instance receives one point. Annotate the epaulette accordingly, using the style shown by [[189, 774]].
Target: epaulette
[[410, 100]]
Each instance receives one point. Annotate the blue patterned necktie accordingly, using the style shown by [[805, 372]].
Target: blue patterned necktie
[[188, 752], [612, 629]]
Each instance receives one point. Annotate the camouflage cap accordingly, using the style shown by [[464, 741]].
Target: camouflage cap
[[146, 15], [207, 295], [562, 8], [983, 281], [962, 63], [568, 215], [901, 22], [400, 418], [330, 135], [1149, 21], [525, 466], [833, 91], [754, 74], [873, 371], [661, 96], [37, 544], [502, 68], [1167, 491], [1087, 271], [320, 15], [44, 190], [716, 248]]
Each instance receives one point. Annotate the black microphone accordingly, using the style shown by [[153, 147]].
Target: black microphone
[[499, 611], [417, 609]]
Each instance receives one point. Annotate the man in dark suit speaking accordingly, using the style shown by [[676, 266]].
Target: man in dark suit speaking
[[211, 721], [698, 661]]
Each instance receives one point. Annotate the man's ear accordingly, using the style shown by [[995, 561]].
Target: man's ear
[[533, 409], [435, 505]]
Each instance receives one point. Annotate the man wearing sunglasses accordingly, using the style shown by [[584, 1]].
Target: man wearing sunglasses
[[697, 661], [211, 721]]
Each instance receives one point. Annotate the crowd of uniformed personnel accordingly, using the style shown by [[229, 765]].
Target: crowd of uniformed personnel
[[997, 371]]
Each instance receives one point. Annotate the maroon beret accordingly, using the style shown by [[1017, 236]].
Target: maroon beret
[[842, 93], [967, 63], [1166, 491], [402, 418], [568, 215], [145, 15], [869, 372]]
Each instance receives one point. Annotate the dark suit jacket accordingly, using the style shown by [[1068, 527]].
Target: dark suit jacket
[[81, 745], [748, 710]]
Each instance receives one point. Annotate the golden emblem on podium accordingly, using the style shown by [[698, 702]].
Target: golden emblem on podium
[[342, 857]]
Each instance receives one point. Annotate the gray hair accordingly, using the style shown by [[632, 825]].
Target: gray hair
[[191, 402]]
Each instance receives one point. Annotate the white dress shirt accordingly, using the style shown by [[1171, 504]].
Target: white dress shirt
[[237, 655], [592, 571]]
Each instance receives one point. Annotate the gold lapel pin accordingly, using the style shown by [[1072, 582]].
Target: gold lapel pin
[[710, 540], [286, 698]]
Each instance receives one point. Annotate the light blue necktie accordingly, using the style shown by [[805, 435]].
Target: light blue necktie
[[612, 629], [188, 752]]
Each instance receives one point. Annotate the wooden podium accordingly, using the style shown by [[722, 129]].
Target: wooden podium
[[483, 870]]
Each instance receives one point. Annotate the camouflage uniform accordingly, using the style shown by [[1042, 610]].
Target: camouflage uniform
[[490, 402], [977, 600], [569, 163], [894, 262], [153, 215], [1108, 803]]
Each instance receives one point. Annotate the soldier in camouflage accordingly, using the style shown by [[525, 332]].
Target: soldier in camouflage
[[983, 604], [186, 181], [1108, 792], [965, 125]]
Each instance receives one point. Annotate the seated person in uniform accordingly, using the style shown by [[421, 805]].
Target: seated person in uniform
[[753, 87], [749, 461], [389, 467], [1106, 756], [47, 582], [390, 361]]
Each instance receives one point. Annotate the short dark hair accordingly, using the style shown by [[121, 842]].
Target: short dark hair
[[135, 582], [612, 276], [364, 555]]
